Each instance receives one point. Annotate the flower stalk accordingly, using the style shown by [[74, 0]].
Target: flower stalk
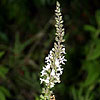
[[50, 75]]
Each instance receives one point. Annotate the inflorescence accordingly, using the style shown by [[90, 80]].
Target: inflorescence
[[52, 70]]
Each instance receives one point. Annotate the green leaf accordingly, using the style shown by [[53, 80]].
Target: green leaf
[[25, 44], [74, 93], [17, 44], [3, 71], [94, 52], [97, 15], [43, 2], [80, 91], [37, 98], [3, 36], [93, 71], [5, 91], [1, 53], [2, 96], [90, 28]]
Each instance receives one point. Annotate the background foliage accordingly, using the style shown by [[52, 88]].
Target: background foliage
[[26, 36]]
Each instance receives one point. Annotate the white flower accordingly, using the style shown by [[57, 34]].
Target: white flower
[[41, 80], [43, 73], [60, 71], [53, 72], [62, 59], [48, 67], [63, 51], [57, 79], [53, 49], [52, 85], [57, 62], [45, 80]]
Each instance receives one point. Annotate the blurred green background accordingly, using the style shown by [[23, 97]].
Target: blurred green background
[[26, 36]]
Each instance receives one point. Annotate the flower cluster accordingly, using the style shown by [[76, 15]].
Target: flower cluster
[[52, 70]]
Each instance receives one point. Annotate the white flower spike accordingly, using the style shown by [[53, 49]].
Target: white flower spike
[[50, 75]]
